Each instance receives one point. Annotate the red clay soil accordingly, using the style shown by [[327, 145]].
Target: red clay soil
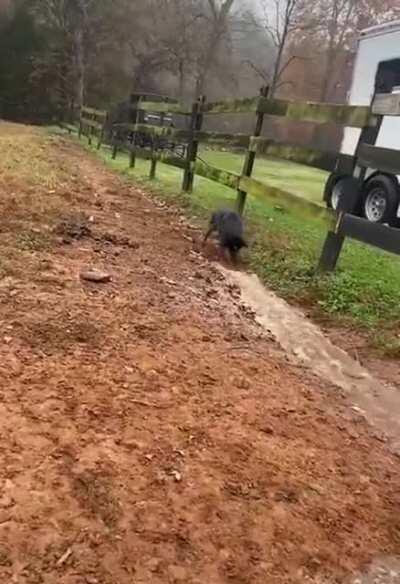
[[151, 433]]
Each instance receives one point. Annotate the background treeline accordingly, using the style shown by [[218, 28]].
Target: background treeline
[[56, 54]]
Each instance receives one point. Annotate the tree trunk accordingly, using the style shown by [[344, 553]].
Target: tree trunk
[[276, 73], [206, 65], [181, 80], [277, 67], [80, 67], [220, 17], [331, 58], [79, 50]]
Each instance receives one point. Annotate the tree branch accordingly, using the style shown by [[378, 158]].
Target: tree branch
[[264, 76]]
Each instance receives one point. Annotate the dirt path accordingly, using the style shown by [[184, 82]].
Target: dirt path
[[151, 433]]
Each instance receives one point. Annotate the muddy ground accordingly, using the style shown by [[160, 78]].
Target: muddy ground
[[151, 431]]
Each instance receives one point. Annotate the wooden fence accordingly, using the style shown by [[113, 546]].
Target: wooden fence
[[340, 225]]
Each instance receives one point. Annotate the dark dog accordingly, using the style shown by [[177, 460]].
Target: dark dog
[[229, 226]]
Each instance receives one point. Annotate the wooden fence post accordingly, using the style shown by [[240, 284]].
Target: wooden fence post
[[114, 145], [196, 123], [153, 164], [101, 137], [251, 156], [350, 197], [80, 126], [332, 247], [132, 154]]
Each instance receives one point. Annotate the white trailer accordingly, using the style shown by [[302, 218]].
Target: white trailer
[[376, 70]]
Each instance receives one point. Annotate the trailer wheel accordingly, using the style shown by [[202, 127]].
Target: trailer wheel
[[335, 187], [329, 186], [381, 199]]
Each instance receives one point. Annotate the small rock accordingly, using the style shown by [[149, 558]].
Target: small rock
[[267, 430], [356, 374], [291, 410], [357, 410], [96, 276], [176, 475]]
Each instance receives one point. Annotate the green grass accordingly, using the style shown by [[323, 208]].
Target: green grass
[[284, 251]]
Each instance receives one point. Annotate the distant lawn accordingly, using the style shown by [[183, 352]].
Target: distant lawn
[[295, 178], [285, 249]]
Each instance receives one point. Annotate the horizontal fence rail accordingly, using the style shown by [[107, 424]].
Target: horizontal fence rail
[[232, 106], [317, 113], [223, 138], [375, 234], [168, 108], [92, 123], [290, 201], [384, 159], [386, 104], [223, 177], [162, 131], [94, 112]]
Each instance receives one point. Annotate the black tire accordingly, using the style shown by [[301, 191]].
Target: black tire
[[336, 186], [328, 190], [380, 200]]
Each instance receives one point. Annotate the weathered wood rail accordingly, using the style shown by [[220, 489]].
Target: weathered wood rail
[[340, 225], [92, 121]]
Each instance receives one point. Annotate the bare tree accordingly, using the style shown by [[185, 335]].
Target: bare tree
[[217, 27], [336, 18], [177, 26], [281, 21], [68, 19], [79, 16]]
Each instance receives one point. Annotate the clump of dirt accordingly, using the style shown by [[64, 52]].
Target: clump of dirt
[[93, 490], [118, 239], [73, 227], [59, 333], [34, 240]]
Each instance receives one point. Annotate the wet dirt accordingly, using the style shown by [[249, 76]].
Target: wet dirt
[[152, 432], [299, 337]]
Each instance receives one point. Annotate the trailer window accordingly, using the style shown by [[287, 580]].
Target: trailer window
[[388, 76]]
